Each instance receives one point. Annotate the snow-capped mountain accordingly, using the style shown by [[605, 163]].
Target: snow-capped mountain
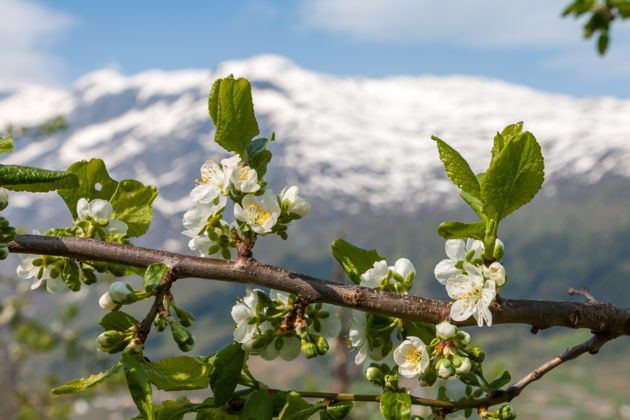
[[351, 141]]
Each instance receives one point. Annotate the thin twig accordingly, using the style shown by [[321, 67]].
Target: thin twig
[[583, 292], [162, 289]]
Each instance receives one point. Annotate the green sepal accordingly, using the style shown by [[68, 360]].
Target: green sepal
[[513, 178], [153, 276], [423, 330], [459, 230], [6, 144], [395, 405], [336, 411], [228, 363], [502, 379], [178, 373], [26, 178], [354, 260], [457, 169], [84, 384], [259, 406], [138, 384], [232, 110], [71, 275]]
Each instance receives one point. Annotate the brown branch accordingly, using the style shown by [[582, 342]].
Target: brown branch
[[162, 289], [602, 318]]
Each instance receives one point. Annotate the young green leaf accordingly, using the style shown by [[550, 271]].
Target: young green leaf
[[132, 202], [474, 202], [502, 379], [227, 368], [6, 144], [84, 384], [138, 384], [354, 260], [174, 410], [336, 411], [296, 408], [395, 405], [424, 331], [508, 134], [232, 111], [94, 182], [513, 178], [457, 168], [25, 178], [178, 373], [118, 320], [258, 406], [459, 230], [153, 276]]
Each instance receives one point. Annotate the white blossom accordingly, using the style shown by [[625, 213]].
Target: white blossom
[[405, 268], [456, 251], [244, 177], [359, 340], [242, 312], [201, 245], [496, 273], [445, 330], [289, 196], [215, 182], [195, 219], [411, 357], [375, 276], [287, 347], [26, 270], [472, 296], [329, 326], [259, 212], [101, 211]]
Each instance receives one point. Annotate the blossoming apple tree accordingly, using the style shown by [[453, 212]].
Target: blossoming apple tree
[[285, 314]]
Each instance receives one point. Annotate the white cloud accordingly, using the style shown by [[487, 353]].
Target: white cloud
[[27, 29], [479, 23]]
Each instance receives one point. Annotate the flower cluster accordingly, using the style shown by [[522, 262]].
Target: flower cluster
[[469, 281], [257, 210], [278, 325]]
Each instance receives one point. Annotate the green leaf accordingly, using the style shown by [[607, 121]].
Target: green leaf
[[118, 320], [395, 406], [296, 408], [153, 276], [138, 384], [26, 178], [178, 373], [259, 162], [602, 42], [354, 260], [459, 230], [84, 384], [132, 202], [502, 379], [259, 406], [473, 202], [94, 182], [457, 168], [337, 411], [513, 178], [227, 369], [71, 275], [424, 331], [279, 400], [174, 410], [232, 111], [508, 134], [6, 144], [218, 413]]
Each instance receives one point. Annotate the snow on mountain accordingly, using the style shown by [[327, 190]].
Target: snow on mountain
[[351, 141]]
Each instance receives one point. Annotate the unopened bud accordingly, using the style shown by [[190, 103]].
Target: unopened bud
[[322, 345], [477, 354], [4, 198], [185, 317], [499, 249], [187, 345], [121, 292], [106, 302], [464, 366], [109, 339], [444, 368], [375, 375], [445, 330], [506, 412], [462, 338], [4, 251], [309, 349]]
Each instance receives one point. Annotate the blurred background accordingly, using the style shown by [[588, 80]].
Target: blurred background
[[353, 91]]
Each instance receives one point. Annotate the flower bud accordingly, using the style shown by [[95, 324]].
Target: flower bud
[[445, 330], [180, 333], [185, 317], [293, 203], [506, 412], [110, 339], [4, 251], [187, 345], [462, 338], [106, 302], [499, 249], [496, 273], [322, 345], [309, 349], [444, 368], [477, 354], [4, 198], [405, 268], [121, 292], [464, 366], [375, 375]]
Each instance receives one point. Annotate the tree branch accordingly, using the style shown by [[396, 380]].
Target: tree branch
[[601, 318]]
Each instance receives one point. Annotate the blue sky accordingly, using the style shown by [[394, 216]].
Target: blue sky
[[524, 42]]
